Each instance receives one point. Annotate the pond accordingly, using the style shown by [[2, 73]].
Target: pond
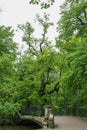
[[17, 128], [25, 125]]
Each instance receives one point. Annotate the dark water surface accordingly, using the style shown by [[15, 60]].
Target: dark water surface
[[16, 128], [23, 125]]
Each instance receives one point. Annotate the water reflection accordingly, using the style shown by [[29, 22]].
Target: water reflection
[[16, 128], [23, 125]]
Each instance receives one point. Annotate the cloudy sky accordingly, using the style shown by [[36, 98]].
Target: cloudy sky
[[16, 12]]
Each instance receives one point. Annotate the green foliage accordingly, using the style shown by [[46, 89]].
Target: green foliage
[[8, 113], [6, 42], [38, 67], [7, 74], [72, 44], [42, 4], [31, 72], [73, 19], [45, 75]]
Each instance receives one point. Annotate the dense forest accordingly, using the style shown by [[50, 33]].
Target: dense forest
[[46, 74]]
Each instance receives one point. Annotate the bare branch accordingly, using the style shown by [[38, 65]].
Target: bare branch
[[42, 41]]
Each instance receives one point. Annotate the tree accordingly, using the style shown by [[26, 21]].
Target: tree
[[73, 19], [72, 44], [8, 108], [39, 65], [7, 52]]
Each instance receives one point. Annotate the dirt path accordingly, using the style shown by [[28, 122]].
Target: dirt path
[[70, 123]]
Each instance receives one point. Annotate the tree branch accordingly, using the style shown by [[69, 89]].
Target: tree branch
[[42, 41], [85, 14], [80, 21], [56, 88]]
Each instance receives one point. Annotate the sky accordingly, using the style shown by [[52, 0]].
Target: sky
[[16, 12]]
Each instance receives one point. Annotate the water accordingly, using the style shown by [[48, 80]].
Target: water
[[16, 128], [23, 125]]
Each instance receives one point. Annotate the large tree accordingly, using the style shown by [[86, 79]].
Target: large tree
[[39, 69], [7, 75], [72, 45]]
